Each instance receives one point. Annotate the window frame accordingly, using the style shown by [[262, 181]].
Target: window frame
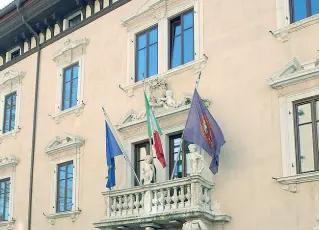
[[170, 37], [4, 180], [291, 10], [4, 112], [147, 30], [72, 16], [65, 189], [71, 81], [9, 54]]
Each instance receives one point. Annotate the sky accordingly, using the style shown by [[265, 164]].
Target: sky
[[3, 3]]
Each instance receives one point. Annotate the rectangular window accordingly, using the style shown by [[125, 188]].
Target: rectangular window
[[141, 150], [306, 113], [70, 86], [146, 54], [9, 112], [65, 187], [15, 54], [4, 199], [182, 168], [75, 20], [300, 9], [182, 39]]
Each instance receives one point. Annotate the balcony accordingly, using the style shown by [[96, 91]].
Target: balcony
[[180, 203]]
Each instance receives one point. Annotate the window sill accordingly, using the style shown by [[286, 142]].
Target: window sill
[[77, 110], [12, 133], [196, 65], [283, 33], [72, 214], [8, 224], [290, 183]]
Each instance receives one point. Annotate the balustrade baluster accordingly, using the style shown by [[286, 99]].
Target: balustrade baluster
[[125, 204], [182, 197], [161, 200], [155, 201], [175, 198], [131, 203], [188, 195], [168, 199], [114, 206], [120, 205]]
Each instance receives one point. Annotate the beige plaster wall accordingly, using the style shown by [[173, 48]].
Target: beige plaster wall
[[242, 54]]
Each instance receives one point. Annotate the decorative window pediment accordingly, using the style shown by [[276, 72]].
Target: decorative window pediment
[[71, 50], [10, 161], [167, 110], [294, 72], [10, 77], [64, 143]]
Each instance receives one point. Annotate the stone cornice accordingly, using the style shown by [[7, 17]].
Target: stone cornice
[[293, 73], [65, 143], [10, 161], [10, 77]]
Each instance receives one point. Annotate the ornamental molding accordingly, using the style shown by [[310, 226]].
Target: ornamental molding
[[73, 215], [154, 10], [10, 161], [316, 227], [64, 143], [293, 73], [77, 110], [290, 183], [164, 105], [283, 34], [8, 224], [71, 50], [10, 77]]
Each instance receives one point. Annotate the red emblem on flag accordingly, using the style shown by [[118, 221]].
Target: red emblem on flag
[[207, 131]]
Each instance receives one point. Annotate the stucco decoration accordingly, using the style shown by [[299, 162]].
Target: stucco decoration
[[163, 103], [317, 227], [64, 143], [10, 77], [294, 72], [10, 161], [71, 48], [194, 225]]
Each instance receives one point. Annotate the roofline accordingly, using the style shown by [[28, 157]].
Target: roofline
[[11, 7]]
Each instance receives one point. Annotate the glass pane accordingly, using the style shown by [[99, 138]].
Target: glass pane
[[153, 60], [141, 65], [67, 75], [176, 28], [66, 94], [188, 20], [75, 70], [188, 166], [142, 153], [69, 187], [314, 7], [304, 113], [2, 202], [74, 96], [153, 36], [299, 9], [176, 52], [7, 197], [188, 45], [306, 148], [141, 41], [75, 20]]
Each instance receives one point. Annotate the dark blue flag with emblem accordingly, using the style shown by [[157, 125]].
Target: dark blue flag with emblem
[[112, 150], [202, 129]]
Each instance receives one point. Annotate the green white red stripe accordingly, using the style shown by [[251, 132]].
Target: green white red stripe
[[154, 130]]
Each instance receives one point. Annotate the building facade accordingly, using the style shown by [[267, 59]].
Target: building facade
[[255, 64]]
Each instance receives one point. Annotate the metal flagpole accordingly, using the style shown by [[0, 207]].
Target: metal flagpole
[[182, 138], [121, 146]]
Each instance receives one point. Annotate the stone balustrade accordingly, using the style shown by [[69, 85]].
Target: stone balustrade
[[167, 204]]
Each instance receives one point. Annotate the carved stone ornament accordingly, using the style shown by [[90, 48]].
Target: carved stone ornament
[[196, 159], [162, 102], [294, 72], [10, 161], [64, 143], [194, 225], [316, 227], [70, 50], [73, 215], [10, 77], [148, 170]]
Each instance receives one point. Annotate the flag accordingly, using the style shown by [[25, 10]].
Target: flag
[[154, 130], [112, 150], [202, 129]]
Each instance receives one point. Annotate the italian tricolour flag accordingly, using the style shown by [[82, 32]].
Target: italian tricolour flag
[[154, 130]]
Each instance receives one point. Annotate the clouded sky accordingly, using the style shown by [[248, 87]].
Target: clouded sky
[[3, 3]]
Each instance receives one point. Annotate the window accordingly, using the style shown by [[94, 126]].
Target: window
[[306, 112], [70, 86], [15, 54], [9, 112], [300, 9], [182, 39], [141, 150], [147, 54], [65, 187], [75, 20], [182, 167], [4, 199]]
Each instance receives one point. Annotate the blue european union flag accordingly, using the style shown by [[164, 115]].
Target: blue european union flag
[[202, 129], [112, 150]]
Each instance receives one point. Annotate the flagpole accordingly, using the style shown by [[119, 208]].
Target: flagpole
[[120, 145]]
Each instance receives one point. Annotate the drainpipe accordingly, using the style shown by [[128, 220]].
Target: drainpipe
[[35, 108]]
